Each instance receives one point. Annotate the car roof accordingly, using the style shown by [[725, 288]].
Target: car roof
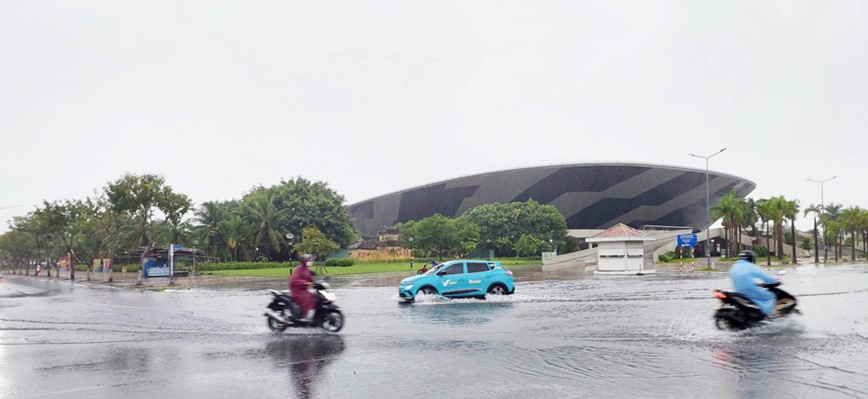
[[470, 260]]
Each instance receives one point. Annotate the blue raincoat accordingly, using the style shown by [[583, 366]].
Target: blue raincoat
[[744, 275]]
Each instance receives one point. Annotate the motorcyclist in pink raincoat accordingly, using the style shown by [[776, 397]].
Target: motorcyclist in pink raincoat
[[299, 284]]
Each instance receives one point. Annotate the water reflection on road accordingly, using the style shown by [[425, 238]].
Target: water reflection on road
[[648, 336]]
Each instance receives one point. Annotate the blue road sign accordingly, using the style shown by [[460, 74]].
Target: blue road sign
[[687, 240]]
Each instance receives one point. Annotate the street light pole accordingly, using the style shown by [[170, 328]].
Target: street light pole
[[823, 212], [708, 206]]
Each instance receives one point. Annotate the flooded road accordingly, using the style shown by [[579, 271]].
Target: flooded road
[[649, 336]]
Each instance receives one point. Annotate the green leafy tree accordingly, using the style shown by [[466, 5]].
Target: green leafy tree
[[440, 235], [140, 196], [17, 248], [527, 245], [316, 243], [502, 225], [175, 206], [806, 244], [313, 204]]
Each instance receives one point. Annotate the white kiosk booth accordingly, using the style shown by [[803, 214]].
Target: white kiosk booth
[[620, 250]]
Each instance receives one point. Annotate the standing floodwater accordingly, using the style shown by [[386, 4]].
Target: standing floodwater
[[648, 336]]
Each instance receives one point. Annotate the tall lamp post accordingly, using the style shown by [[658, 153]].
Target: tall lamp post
[[823, 212], [708, 206]]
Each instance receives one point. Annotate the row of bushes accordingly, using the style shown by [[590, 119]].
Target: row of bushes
[[340, 262], [132, 268], [241, 265]]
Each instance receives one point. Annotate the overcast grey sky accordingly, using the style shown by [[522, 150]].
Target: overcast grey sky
[[377, 96]]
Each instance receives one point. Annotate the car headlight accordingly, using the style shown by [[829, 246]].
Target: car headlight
[[407, 287]]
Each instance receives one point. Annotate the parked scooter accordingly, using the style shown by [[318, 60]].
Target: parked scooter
[[284, 313]]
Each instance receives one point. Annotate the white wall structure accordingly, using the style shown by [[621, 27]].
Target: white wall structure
[[620, 250]]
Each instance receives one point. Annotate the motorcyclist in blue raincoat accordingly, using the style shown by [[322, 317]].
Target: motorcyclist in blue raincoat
[[744, 274]]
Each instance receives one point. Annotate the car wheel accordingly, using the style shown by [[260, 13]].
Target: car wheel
[[427, 291], [497, 289]]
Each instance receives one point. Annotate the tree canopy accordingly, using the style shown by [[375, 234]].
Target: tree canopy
[[440, 235], [502, 225]]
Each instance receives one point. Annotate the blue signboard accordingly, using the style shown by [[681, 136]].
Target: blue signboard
[[687, 240], [156, 267]]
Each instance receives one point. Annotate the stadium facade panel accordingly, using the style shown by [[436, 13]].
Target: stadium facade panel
[[590, 196]]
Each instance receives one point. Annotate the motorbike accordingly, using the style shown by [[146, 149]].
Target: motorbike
[[284, 313], [735, 312]]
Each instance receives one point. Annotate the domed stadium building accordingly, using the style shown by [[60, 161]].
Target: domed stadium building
[[590, 196]]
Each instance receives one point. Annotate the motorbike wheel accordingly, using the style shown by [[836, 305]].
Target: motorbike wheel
[[333, 321], [724, 324], [723, 320], [275, 326]]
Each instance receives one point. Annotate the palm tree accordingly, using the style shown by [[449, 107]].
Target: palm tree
[[748, 219], [764, 211], [863, 228], [791, 211], [778, 206], [208, 218], [235, 232], [830, 223], [265, 219], [850, 222], [730, 208], [815, 209]]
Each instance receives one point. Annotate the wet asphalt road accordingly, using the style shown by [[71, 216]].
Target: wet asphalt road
[[596, 337]]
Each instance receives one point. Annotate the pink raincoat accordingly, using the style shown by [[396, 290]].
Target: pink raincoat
[[298, 285]]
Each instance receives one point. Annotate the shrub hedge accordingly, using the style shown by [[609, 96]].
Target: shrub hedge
[[340, 262], [241, 265]]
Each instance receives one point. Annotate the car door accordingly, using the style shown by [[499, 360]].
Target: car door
[[478, 278], [452, 279]]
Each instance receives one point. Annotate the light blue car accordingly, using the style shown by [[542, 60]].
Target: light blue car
[[460, 279]]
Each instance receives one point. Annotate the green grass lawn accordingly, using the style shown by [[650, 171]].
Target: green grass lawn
[[360, 268]]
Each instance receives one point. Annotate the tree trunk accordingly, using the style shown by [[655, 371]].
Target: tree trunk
[[793, 231], [768, 248], [779, 231], [738, 239], [825, 246], [853, 247]]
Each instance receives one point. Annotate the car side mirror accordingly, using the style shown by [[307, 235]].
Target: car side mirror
[[441, 273]]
